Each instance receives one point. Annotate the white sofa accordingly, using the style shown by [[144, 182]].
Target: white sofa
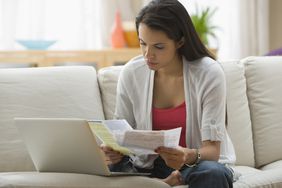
[[254, 120]]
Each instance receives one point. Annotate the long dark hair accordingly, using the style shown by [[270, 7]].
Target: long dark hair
[[171, 17]]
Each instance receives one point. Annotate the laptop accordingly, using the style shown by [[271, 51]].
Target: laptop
[[64, 145]]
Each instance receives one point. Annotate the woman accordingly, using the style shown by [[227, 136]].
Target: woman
[[176, 83]]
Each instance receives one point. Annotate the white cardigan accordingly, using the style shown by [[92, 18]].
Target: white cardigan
[[205, 97]]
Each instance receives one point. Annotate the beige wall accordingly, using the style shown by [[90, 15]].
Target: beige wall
[[275, 23]]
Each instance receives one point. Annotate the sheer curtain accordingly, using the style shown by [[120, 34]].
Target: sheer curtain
[[73, 23], [243, 26], [254, 27], [86, 24]]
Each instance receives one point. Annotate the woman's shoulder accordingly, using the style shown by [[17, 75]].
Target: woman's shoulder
[[205, 65], [202, 63], [136, 64]]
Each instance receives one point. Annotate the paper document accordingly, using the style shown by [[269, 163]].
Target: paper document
[[104, 134], [119, 135]]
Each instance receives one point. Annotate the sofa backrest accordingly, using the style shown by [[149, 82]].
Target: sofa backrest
[[239, 124], [264, 86], [108, 78], [42, 92]]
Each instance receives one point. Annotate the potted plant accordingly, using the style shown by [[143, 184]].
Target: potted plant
[[202, 23]]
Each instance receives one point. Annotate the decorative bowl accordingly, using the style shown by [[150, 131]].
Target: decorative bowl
[[36, 44]]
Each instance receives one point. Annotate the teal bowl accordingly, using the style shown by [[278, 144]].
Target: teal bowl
[[36, 44]]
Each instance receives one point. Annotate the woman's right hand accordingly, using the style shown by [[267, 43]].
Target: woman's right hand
[[112, 157]]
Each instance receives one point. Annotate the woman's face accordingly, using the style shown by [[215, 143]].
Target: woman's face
[[158, 50]]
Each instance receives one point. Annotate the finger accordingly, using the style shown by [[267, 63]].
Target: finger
[[113, 160], [112, 152], [173, 156], [170, 157], [102, 145], [116, 161], [106, 148], [109, 162], [173, 161], [109, 150], [173, 164], [115, 156], [164, 157], [111, 155], [163, 149]]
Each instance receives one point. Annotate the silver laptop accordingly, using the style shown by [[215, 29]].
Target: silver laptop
[[64, 145]]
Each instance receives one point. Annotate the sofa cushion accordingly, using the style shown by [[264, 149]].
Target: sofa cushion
[[264, 78], [251, 177], [67, 180], [238, 113], [274, 165], [42, 92], [108, 78]]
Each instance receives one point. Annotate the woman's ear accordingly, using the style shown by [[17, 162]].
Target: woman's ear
[[180, 43]]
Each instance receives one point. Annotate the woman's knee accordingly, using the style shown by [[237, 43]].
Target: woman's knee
[[214, 168], [208, 173]]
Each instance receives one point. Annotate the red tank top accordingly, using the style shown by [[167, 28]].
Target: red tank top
[[170, 118]]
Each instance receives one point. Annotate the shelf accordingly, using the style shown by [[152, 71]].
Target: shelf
[[102, 58]]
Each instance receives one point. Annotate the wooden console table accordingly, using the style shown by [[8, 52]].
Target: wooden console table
[[102, 58]]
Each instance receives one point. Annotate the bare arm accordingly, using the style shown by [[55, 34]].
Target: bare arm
[[177, 157], [210, 150]]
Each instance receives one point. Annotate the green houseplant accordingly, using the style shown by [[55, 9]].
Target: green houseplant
[[202, 23]]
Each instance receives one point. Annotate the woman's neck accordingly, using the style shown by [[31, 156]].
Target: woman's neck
[[175, 69]]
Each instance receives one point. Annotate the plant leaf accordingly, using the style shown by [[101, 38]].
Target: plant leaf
[[202, 23]]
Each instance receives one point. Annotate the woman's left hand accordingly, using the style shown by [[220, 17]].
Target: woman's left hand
[[175, 157]]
